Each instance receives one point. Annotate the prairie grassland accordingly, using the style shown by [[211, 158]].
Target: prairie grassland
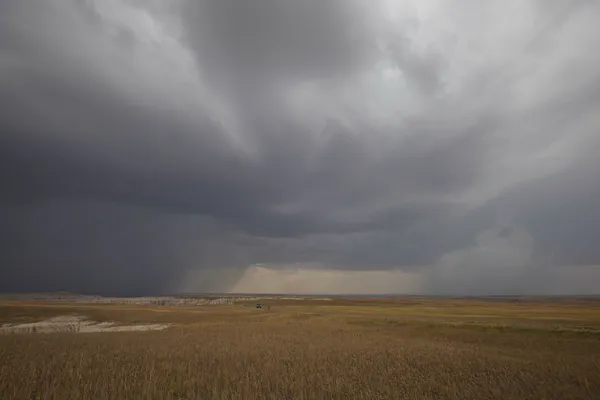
[[343, 349]]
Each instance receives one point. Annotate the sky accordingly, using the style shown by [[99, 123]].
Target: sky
[[285, 146]]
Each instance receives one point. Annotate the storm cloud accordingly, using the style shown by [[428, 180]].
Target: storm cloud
[[151, 147]]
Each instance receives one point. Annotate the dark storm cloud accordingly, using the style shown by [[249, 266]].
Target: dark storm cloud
[[144, 144], [82, 141], [108, 249], [279, 40]]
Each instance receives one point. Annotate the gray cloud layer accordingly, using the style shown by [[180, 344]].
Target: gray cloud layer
[[144, 144]]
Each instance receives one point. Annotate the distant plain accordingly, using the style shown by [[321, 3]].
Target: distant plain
[[343, 348]]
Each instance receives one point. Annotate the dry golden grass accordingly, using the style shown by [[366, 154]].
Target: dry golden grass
[[311, 350]]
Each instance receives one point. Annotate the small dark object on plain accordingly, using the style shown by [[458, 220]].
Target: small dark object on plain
[[259, 306]]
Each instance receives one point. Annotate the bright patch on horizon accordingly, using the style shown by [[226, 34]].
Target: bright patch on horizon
[[299, 280]]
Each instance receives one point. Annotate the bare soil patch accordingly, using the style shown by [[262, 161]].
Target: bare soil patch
[[76, 324]]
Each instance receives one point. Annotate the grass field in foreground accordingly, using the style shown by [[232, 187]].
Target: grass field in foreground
[[405, 348]]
